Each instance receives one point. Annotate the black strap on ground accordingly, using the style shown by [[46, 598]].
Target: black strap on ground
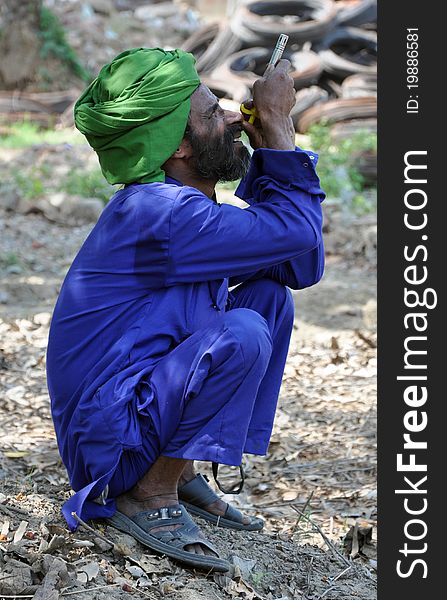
[[236, 488]]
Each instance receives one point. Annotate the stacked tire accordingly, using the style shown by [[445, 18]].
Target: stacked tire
[[332, 48]]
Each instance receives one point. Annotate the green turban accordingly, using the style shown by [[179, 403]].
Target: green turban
[[134, 113]]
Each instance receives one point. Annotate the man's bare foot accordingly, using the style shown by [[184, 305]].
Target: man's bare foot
[[218, 507]]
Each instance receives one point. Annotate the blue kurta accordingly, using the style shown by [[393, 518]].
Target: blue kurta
[[153, 277]]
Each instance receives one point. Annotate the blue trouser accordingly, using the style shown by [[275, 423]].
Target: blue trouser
[[217, 391]]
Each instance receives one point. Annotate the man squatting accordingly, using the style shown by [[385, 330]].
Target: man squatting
[[152, 362]]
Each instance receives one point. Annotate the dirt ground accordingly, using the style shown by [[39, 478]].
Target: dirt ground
[[316, 485]]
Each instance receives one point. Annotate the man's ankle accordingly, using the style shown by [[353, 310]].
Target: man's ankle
[[141, 494], [188, 474]]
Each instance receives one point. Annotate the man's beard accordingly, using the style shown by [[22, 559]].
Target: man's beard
[[219, 159]]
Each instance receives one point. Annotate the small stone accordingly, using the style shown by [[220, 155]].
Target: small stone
[[20, 578], [42, 318], [101, 544], [14, 269]]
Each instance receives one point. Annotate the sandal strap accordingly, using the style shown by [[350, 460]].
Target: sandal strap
[[233, 489], [185, 534], [233, 514], [197, 492]]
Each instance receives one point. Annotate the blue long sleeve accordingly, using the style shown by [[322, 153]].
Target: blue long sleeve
[[283, 222]]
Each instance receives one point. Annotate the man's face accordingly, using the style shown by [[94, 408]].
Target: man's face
[[214, 134]]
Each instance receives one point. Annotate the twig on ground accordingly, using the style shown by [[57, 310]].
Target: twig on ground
[[10, 510], [309, 574], [306, 504], [85, 590], [371, 343], [145, 594], [342, 573], [6, 511], [91, 530], [15, 597], [324, 536], [329, 589]]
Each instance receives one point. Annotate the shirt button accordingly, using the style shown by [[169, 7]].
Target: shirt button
[[216, 307], [305, 164], [312, 157]]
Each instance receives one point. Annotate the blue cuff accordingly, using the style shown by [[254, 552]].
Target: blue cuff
[[289, 169]]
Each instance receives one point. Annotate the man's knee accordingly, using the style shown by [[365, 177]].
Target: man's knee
[[252, 332], [276, 294]]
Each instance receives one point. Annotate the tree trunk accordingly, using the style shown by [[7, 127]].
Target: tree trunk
[[19, 42]]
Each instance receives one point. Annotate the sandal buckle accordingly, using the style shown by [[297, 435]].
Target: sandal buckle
[[164, 513]]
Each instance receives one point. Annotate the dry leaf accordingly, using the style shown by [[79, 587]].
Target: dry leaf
[[82, 577], [244, 565], [89, 570], [356, 538], [154, 564], [18, 535], [289, 496], [17, 454], [4, 531], [134, 570], [56, 542]]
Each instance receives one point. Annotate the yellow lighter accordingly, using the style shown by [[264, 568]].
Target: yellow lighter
[[276, 56]]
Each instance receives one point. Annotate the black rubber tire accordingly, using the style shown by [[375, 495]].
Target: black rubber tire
[[224, 44], [348, 51], [307, 68], [332, 87], [347, 129], [260, 22], [243, 66], [233, 89], [341, 109], [305, 99], [249, 64], [200, 40], [366, 164], [211, 45], [360, 13], [359, 85], [37, 102]]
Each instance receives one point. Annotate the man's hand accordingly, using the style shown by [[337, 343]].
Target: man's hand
[[274, 98]]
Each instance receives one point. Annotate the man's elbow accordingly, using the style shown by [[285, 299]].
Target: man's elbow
[[310, 271], [317, 276], [308, 281]]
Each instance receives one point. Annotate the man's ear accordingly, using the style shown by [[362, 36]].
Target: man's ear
[[184, 150]]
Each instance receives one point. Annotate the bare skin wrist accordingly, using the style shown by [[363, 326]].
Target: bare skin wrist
[[279, 132]]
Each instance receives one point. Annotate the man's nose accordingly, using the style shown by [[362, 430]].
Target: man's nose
[[232, 117]]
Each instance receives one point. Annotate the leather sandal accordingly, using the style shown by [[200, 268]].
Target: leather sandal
[[170, 543], [197, 494]]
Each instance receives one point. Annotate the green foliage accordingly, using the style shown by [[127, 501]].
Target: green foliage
[[90, 184], [10, 259], [39, 181], [35, 181], [259, 576], [31, 185], [26, 133], [54, 43], [340, 177]]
